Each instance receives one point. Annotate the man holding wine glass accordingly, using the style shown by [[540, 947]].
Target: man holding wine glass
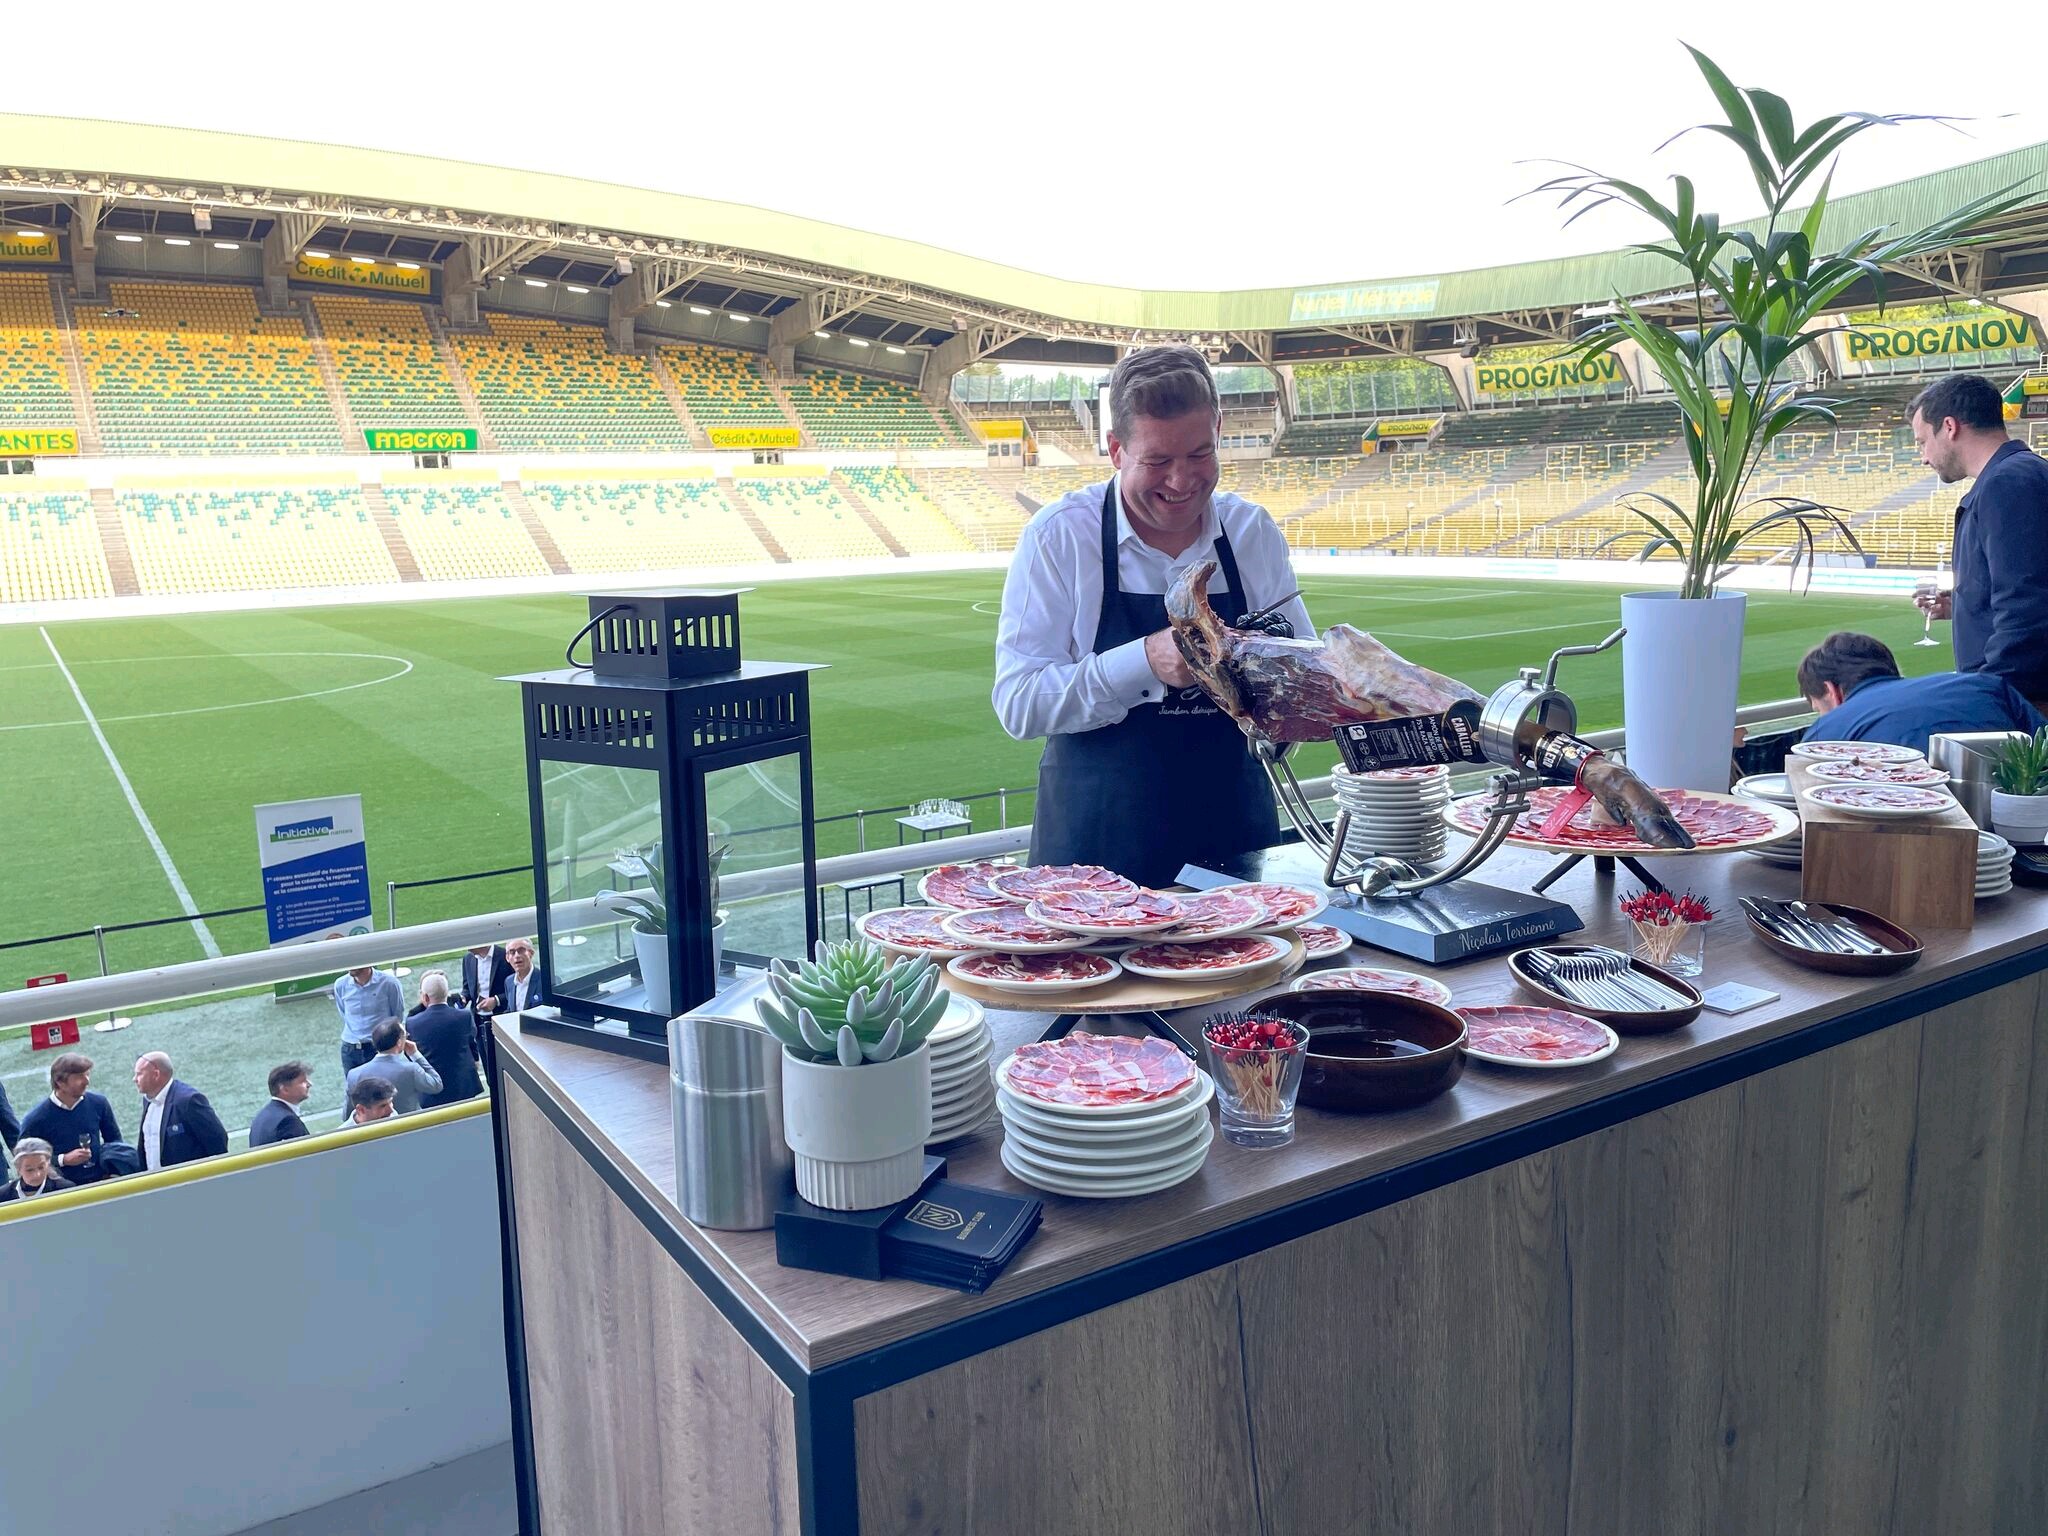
[[1999, 603]]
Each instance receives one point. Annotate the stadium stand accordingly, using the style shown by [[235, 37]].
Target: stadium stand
[[49, 545], [989, 516], [547, 387], [809, 519], [460, 529], [194, 370], [1286, 487], [645, 522], [724, 388], [189, 536], [389, 366], [850, 410], [910, 516], [34, 392]]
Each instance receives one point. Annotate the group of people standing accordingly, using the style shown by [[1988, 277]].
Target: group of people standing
[[72, 1136]]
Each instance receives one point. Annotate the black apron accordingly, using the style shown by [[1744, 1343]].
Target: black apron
[[1172, 783]]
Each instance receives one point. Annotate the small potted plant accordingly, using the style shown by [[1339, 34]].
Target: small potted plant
[[856, 1073], [2019, 789], [649, 915], [1671, 931]]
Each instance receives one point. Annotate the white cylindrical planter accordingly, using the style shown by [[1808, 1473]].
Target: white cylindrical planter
[[1681, 668], [651, 950], [858, 1132], [2019, 818]]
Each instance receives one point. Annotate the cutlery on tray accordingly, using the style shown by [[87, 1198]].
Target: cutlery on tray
[[1807, 926], [1603, 979]]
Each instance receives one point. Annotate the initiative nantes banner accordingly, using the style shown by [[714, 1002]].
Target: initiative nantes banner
[[38, 442], [316, 875]]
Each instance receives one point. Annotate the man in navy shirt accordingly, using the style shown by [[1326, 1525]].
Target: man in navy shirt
[[73, 1119], [1853, 683], [2000, 602]]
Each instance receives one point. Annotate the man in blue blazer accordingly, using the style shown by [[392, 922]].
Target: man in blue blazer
[[446, 1036], [290, 1086], [178, 1125], [524, 986]]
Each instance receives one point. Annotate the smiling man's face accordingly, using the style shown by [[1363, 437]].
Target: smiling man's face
[[1168, 471]]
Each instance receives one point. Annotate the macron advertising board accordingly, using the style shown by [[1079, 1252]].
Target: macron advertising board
[[316, 875]]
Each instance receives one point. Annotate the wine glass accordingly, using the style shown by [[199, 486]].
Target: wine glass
[[1927, 588]]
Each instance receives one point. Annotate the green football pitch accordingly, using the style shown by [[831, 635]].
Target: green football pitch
[[136, 762]]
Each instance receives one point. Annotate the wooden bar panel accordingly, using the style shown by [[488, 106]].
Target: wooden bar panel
[[1130, 1420], [651, 1414], [1813, 1301]]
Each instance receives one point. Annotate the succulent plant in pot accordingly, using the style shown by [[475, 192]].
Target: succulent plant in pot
[[2019, 789], [856, 1078]]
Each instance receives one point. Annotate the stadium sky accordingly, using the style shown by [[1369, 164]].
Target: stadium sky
[[1329, 141]]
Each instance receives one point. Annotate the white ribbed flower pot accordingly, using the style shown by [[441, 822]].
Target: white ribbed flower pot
[[2019, 818], [1681, 666], [858, 1132], [651, 950]]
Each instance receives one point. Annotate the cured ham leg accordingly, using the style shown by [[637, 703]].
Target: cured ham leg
[[1298, 690]]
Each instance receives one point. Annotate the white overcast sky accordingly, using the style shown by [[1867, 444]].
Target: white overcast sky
[[1288, 143]]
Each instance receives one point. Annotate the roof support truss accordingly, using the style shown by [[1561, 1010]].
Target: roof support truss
[[496, 255], [1383, 337]]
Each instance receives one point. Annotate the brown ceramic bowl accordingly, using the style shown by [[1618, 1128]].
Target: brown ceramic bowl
[[1372, 1050], [1902, 949]]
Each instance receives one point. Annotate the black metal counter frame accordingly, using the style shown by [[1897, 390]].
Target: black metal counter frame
[[824, 1399]]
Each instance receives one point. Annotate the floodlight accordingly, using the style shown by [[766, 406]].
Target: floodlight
[[534, 282], [697, 309], [175, 240], [129, 239], [408, 266], [743, 319], [317, 255], [202, 220], [574, 289], [663, 304], [855, 341], [822, 335], [226, 245], [29, 234], [897, 350]]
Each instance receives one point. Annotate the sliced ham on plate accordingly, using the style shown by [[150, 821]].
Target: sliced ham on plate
[[1054, 879], [1098, 1071], [967, 886]]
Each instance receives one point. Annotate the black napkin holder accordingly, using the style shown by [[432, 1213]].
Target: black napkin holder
[[808, 1236]]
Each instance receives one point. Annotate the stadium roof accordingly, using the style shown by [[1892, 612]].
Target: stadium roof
[[1016, 314]]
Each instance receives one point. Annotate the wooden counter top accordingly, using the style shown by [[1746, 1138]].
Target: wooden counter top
[[622, 1107]]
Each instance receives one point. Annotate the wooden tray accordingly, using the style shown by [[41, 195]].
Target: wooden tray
[[1786, 822], [1918, 873], [1138, 994]]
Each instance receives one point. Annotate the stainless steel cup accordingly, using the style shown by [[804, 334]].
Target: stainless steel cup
[[1966, 756], [725, 1085]]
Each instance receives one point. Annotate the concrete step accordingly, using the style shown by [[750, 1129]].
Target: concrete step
[[402, 559], [83, 411], [486, 439], [114, 542], [867, 515], [330, 376], [745, 511], [674, 396], [536, 530]]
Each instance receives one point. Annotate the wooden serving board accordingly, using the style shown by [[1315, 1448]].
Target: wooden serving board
[[1919, 874], [1138, 994]]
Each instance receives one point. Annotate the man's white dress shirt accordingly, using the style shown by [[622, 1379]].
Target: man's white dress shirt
[[153, 1130], [1047, 679]]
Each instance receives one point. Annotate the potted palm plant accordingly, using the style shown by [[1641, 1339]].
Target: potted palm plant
[[2019, 789], [1748, 299]]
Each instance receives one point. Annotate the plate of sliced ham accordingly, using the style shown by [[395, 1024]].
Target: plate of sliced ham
[[1106, 914], [1218, 914], [1882, 802], [967, 886], [1855, 771], [1056, 879], [1098, 1074], [1320, 940], [1517, 1036], [911, 931], [1008, 928], [1375, 978], [1286, 905], [1035, 972], [1856, 752], [1208, 959]]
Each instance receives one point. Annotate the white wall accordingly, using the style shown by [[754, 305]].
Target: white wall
[[198, 1359]]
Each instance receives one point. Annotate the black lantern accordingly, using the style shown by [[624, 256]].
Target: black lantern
[[665, 765]]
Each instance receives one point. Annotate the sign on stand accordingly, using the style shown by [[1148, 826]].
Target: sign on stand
[[316, 876], [47, 1037]]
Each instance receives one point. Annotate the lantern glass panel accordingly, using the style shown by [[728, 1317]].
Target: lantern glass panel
[[603, 833], [755, 811]]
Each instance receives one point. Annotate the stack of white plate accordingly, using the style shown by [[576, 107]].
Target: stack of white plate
[[1994, 865], [1106, 1153], [962, 1091], [1774, 789], [1399, 811]]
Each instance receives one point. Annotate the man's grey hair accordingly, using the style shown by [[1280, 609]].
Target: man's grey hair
[[434, 987], [32, 1146], [161, 1060]]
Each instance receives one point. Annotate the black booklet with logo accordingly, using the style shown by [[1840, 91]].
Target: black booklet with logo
[[956, 1235]]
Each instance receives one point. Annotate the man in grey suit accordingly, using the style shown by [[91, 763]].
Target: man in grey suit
[[399, 1062]]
